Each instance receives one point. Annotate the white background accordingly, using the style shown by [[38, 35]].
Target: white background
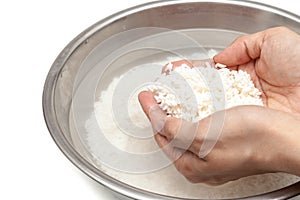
[[32, 35]]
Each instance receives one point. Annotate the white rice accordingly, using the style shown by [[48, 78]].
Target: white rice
[[168, 181], [195, 93]]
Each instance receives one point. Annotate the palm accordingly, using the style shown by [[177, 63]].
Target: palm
[[279, 83], [272, 60]]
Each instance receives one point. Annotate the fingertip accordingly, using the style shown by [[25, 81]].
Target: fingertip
[[178, 63], [142, 95], [218, 58], [241, 50], [146, 99], [226, 57]]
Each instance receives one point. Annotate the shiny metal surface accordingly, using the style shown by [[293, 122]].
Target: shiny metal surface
[[240, 16]]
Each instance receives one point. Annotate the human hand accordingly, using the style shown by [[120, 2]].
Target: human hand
[[250, 143], [252, 137], [272, 59]]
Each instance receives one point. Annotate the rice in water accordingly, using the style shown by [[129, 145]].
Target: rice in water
[[169, 181]]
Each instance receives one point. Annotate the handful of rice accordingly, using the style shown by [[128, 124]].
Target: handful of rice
[[194, 93]]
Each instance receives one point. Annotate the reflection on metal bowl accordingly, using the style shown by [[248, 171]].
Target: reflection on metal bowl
[[139, 40]]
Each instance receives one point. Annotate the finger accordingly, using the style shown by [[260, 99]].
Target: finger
[[181, 158], [172, 153], [181, 134], [198, 138], [147, 101], [242, 50], [181, 62], [157, 118], [216, 183], [185, 135], [187, 163], [190, 63], [212, 128], [154, 113], [203, 63], [173, 65]]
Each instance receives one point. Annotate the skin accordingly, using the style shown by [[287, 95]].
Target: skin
[[254, 139]]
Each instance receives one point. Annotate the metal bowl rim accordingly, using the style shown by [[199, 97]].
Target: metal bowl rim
[[76, 158]]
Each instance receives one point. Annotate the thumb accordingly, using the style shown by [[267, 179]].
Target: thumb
[[152, 110], [242, 50], [157, 118]]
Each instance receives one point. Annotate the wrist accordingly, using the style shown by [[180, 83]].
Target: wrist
[[255, 121], [262, 139], [280, 141], [291, 153]]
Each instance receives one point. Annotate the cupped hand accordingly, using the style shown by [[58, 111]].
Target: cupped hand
[[253, 139], [250, 142], [272, 59]]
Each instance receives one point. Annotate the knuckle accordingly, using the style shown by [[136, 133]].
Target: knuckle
[[214, 183], [216, 180], [193, 179], [281, 28], [171, 126], [181, 166], [188, 172], [185, 169], [196, 179]]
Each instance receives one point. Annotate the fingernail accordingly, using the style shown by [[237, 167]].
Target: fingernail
[[157, 118]]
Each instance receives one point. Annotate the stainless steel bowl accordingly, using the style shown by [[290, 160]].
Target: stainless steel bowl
[[230, 17]]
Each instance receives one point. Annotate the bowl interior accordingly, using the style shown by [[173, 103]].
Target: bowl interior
[[92, 87]]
